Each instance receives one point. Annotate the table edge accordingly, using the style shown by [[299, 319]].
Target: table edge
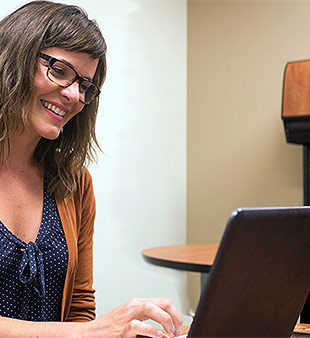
[[178, 265]]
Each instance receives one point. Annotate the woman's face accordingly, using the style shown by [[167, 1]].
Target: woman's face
[[53, 106]]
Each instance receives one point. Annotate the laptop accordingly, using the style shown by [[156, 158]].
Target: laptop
[[260, 278]]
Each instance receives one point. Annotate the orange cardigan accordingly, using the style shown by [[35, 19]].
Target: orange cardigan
[[77, 214]]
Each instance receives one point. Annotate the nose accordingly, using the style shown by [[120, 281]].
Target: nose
[[72, 92]]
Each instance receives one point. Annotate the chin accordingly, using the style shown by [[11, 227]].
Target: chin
[[51, 135]]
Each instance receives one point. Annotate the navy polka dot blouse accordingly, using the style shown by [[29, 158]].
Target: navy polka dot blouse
[[32, 275]]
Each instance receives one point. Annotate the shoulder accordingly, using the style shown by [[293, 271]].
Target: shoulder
[[85, 175], [83, 197], [84, 192], [79, 208], [84, 181]]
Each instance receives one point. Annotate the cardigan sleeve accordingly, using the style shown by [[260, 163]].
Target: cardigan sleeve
[[82, 307]]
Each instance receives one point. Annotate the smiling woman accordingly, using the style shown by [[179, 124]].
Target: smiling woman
[[64, 99], [52, 66], [44, 25]]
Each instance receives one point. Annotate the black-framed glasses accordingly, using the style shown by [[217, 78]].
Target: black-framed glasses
[[63, 74]]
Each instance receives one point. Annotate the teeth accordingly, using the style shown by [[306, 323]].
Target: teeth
[[53, 108]]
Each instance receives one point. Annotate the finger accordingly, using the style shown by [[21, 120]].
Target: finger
[[136, 328], [157, 314], [168, 306], [164, 336]]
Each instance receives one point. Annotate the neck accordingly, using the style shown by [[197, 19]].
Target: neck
[[20, 152]]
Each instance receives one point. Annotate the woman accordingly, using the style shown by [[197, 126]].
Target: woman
[[52, 66]]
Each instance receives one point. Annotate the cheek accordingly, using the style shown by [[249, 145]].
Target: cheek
[[42, 85], [77, 110]]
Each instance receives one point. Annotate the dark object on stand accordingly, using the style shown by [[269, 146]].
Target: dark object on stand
[[296, 119]]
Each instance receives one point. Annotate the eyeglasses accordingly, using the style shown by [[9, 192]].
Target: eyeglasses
[[63, 75]]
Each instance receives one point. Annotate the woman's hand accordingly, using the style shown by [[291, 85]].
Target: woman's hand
[[127, 320]]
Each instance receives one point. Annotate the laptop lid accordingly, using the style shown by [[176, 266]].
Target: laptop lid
[[260, 278]]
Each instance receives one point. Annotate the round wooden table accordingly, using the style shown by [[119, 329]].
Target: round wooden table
[[189, 257]]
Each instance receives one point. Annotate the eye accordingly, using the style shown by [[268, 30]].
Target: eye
[[61, 71], [58, 71], [85, 86]]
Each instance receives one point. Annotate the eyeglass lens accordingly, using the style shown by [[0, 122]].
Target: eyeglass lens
[[63, 75]]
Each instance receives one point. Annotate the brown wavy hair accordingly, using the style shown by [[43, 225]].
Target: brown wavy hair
[[31, 28]]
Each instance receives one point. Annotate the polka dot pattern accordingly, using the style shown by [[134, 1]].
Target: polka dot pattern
[[32, 275]]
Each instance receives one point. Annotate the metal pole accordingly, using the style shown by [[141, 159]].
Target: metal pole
[[305, 314], [306, 160]]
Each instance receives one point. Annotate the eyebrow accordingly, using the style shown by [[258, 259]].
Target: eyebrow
[[69, 64]]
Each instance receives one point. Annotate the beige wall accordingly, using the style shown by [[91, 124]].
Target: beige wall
[[237, 152]]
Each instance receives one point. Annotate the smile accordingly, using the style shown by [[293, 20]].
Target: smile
[[53, 108]]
